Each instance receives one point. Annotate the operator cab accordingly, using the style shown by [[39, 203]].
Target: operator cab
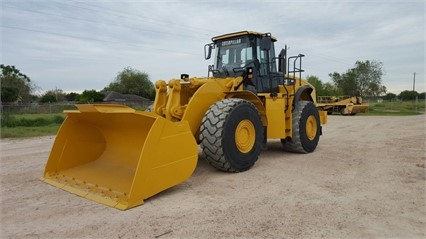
[[243, 53]]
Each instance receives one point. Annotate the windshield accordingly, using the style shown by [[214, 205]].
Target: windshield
[[232, 55]]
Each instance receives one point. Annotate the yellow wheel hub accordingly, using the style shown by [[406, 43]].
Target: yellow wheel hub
[[311, 127], [245, 136]]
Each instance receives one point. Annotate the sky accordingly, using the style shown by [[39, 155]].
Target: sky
[[77, 45]]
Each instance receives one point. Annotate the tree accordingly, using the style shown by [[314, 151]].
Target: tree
[[331, 90], [132, 81], [48, 97], [422, 95], [90, 96], [369, 78], [9, 94], [322, 89], [365, 79], [14, 84], [317, 83], [56, 95], [389, 96], [408, 95], [71, 96], [345, 82]]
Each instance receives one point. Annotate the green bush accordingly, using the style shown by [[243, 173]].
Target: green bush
[[7, 120], [379, 105], [58, 119], [12, 121]]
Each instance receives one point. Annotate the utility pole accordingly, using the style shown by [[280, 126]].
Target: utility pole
[[414, 88], [414, 81]]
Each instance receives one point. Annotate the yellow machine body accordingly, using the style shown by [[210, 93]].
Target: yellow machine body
[[345, 105], [118, 156]]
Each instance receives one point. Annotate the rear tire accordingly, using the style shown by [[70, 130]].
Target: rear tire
[[306, 129], [231, 135]]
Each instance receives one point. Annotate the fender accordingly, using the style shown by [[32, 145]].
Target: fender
[[250, 96], [303, 93]]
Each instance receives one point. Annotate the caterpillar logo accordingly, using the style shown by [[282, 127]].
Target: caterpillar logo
[[231, 42]]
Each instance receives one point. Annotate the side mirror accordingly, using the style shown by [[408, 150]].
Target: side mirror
[[265, 43], [208, 51]]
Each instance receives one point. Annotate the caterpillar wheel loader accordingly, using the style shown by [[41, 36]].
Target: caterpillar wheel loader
[[118, 156]]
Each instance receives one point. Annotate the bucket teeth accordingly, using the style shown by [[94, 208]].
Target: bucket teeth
[[88, 188]]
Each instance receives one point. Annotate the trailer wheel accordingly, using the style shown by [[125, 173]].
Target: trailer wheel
[[306, 129], [231, 135]]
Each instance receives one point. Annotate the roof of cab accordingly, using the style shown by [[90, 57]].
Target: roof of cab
[[242, 33]]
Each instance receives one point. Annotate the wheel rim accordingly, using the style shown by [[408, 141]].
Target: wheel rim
[[245, 136], [311, 127]]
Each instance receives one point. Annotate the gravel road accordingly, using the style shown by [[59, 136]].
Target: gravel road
[[366, 179]]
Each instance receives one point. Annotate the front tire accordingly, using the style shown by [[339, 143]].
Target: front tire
[[306, 129], [231, 135]]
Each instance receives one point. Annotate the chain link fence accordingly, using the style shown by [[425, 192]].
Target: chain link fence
[[49, 108]]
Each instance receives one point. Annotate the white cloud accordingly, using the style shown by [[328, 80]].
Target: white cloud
[[82, 45]]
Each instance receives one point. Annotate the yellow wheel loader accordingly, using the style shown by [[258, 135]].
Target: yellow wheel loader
[[118, 156], [344, 105]]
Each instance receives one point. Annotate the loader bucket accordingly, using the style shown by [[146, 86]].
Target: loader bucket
[[117, 156]]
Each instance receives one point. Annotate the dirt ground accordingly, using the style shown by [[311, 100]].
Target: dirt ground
[[366, 179]]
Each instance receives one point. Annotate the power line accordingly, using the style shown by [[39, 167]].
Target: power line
[[96, 22], [93, 39], [155, 21], [138, 18]]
